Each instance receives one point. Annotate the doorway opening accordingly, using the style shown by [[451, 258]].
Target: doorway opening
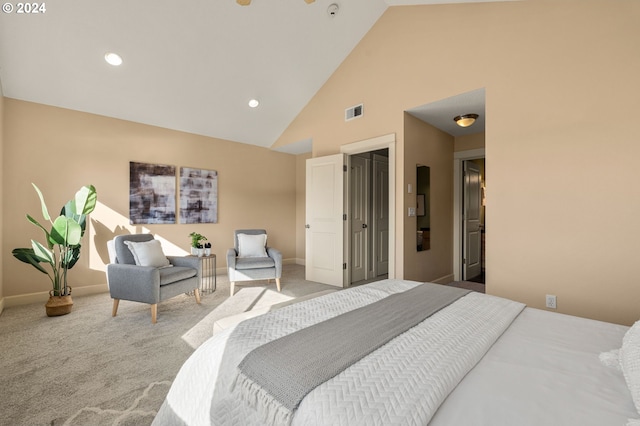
[[385, 143], [473, 240], [367, 216], [327, 246], [469, 231]]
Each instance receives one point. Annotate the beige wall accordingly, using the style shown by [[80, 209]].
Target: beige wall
[[567, 228], [428, 146], [61, 150], [301, 190], [469, 142]]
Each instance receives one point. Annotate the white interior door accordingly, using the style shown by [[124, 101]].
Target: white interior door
[[472, 263], [359, 221], [381, 214], [325, 225]]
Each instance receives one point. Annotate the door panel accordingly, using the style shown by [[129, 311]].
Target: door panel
[[381, 215], [472, 230], [359, 211], [324, 225]]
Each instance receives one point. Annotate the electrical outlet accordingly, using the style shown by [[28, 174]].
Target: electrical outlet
[[412, 211], [551, 301]]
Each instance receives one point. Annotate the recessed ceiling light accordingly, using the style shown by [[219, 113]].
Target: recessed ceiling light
[[113, 59], [253, 103]]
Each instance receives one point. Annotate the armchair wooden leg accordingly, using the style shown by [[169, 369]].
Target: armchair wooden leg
[[232, 287], [278, 283], [114, 311], [154, 313], [197, 293]]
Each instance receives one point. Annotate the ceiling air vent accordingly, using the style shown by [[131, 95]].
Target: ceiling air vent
[[353, 112]]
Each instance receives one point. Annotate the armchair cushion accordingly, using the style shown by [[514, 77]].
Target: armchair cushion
[[187, 262], [243, 263], [178, 273], [252, 245], [148, 253]]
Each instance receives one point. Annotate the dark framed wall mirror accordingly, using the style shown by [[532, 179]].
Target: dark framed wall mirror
[[423, 197]]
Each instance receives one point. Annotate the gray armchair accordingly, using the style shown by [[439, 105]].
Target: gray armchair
[[148, 284], [256, 267]]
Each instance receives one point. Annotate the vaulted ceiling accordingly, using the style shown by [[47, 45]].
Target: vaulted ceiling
[[187, 65]]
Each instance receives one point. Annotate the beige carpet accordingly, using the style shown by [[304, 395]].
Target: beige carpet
[[88, 368]]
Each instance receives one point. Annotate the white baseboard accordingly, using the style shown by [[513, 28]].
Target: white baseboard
[[1, 305], [42, 297], [300, 261], [443, 280], [90, 289]]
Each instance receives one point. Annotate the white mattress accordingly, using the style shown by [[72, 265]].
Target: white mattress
[[544, 370]]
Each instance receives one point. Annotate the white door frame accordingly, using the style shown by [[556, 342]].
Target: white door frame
[[367, 145], [458, 158]]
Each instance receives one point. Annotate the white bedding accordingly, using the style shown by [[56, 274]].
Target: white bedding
[[544, 370]]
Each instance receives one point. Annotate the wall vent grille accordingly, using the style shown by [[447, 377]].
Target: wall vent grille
[[353, 112]]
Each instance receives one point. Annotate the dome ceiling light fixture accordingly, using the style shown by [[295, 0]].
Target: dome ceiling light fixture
[[465, 120], [248, 2]]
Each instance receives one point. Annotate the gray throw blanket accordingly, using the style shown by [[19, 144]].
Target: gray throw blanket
[[275, 377]]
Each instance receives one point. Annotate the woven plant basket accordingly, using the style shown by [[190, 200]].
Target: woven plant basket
[[58, 305]]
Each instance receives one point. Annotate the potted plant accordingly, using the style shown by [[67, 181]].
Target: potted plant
[[207, 249], [61, 249], [197, 240]]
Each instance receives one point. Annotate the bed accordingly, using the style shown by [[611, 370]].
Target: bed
[[476, 360]]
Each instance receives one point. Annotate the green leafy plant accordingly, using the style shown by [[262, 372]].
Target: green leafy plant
[[197, 239], [61, 249]]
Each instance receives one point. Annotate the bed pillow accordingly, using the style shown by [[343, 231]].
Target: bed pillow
[[630, 362], [252, 245], [611, 359], [148, 253]]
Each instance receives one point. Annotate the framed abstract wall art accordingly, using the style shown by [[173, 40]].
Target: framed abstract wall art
[[198, 195], [152, 193]]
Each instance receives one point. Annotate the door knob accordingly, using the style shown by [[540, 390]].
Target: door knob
[[307, 226], [364, 225]]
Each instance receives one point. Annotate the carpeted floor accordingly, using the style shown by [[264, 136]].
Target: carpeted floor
[[88, 368]]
